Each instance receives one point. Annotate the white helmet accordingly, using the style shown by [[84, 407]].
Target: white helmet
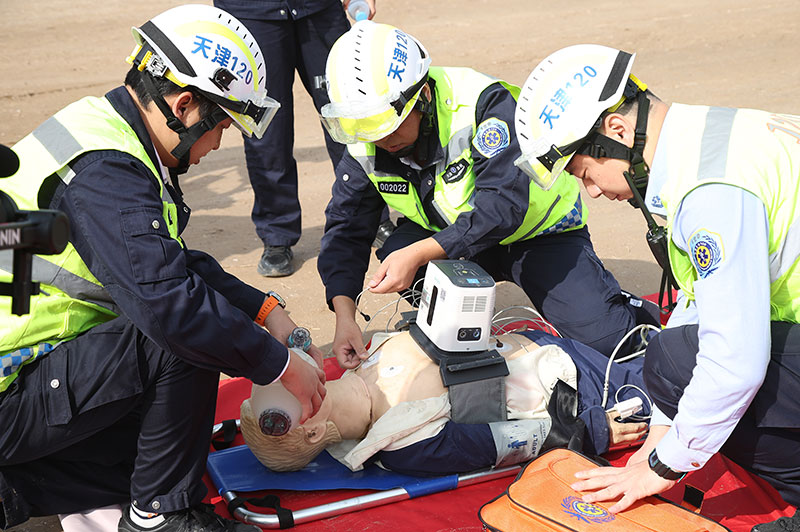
[[374, 76], [561, 102], [207, 48]]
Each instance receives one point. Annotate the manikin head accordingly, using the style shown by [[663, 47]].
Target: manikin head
[[296, 448]]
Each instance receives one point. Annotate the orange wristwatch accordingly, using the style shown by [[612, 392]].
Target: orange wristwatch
[[270, 302]]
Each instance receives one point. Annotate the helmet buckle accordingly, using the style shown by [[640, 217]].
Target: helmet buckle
[[156, 66]]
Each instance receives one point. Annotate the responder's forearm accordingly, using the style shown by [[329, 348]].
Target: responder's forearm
[[344, 307]]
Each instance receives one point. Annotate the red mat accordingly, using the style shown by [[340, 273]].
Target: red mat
[[733, 497]]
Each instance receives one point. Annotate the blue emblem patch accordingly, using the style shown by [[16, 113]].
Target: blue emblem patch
[[491, 138], [586, 511], [656, 202], [706, 252]]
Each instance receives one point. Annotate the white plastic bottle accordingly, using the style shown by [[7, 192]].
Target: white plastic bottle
[[277, 410], [358, 10]]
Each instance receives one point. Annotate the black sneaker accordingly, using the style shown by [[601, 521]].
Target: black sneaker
[[276, 261], [384, 230], [200, 518], [784, 524]]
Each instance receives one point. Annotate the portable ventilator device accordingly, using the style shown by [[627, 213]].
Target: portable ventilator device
[[454, 321]]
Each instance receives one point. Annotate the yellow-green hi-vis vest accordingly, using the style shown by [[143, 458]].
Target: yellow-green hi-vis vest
[[758, 152], [71, 299], [457, 93]]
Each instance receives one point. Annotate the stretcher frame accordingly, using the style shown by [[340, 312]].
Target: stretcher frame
[[425, 486]]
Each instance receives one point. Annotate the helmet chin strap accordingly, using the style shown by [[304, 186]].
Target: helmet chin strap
[[637, 176], [187, 136], [424, 106]]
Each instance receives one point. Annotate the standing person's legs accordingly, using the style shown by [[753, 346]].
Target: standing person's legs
[[270, 163], [315, 36], [767, 438], [103, 419], [568, 284]]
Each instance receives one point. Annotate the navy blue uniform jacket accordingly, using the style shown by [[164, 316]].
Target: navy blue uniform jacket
[[180, 298]]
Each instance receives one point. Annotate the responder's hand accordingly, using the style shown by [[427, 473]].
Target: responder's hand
[[633, 482], [348, 343], [306, 383], [318, 356], [653, 437], [619, 433], [397, 271]]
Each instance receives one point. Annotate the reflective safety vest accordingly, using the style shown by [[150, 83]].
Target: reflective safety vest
[[457, 92], [71, 299], [758, 152]]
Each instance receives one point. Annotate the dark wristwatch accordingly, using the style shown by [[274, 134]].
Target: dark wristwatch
[[278, 298], [663, 470]]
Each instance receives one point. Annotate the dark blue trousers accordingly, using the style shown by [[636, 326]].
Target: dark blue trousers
[[767, 439], [288, 45], [563, 278], [106, 418]]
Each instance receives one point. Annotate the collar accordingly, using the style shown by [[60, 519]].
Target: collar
[[123, 103], [659, 170]]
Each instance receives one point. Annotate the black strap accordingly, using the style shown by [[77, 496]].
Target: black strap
[[566, 429], [229, 431], [285, 516], [170, 50]]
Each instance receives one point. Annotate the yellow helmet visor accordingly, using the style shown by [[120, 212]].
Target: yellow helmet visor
[[539, 172], [352, 122]]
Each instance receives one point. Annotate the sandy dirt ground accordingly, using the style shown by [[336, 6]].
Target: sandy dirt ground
[[723, 52]]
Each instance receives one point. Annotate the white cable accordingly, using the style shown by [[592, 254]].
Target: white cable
[[539, 318], [644, 394], [641, 327]]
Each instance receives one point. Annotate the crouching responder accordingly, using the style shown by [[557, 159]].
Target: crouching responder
[[438, 145], [724, 374], [109, 384]]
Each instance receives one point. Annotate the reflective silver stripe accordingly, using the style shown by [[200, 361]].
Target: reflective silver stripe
[[459, 142], [66, 174], [367, 163], [439, 210], [57, 140], [74, 286], [543, 220], [715, 143], [714, 147], [455, 147], [782, 260]]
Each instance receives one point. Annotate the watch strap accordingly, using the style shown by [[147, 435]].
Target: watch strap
[[270, 302], [663, 470]]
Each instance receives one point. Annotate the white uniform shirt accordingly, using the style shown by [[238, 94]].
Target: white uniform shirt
[[731, 307]]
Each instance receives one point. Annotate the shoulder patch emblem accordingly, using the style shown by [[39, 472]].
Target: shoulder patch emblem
[[491, 137], [706, 252]]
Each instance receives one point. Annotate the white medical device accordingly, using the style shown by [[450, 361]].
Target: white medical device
[[456, 307]]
